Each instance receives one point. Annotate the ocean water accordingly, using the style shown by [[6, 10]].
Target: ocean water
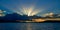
[[29, 26]]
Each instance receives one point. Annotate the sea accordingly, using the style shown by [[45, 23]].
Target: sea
[[30, 26]]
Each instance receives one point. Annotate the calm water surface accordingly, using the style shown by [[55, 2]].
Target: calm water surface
[[29, 26]]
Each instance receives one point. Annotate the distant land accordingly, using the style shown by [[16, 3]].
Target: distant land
[[17, 18]]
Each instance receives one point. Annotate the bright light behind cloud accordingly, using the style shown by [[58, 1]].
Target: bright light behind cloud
[[48, 14], [29, 11]]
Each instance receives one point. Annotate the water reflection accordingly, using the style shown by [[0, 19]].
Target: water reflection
[[29, 26], [37, 26]]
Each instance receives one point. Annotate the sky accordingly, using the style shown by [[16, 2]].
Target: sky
[[45, 6]]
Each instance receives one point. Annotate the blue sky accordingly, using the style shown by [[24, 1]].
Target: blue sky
[[47, 5]]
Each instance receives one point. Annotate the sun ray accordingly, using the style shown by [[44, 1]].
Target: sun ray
[[29, 11]]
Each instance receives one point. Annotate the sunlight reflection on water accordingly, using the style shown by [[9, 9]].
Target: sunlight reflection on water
[[29, 26]]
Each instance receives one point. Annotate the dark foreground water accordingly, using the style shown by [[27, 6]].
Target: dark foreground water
[[29, 26]]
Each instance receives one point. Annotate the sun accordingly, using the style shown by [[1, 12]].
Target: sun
[[29, 11]]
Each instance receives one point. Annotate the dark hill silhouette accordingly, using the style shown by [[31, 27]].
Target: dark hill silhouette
[[15, 16]]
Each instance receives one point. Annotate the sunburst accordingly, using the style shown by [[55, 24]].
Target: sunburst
[[29, 11]]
